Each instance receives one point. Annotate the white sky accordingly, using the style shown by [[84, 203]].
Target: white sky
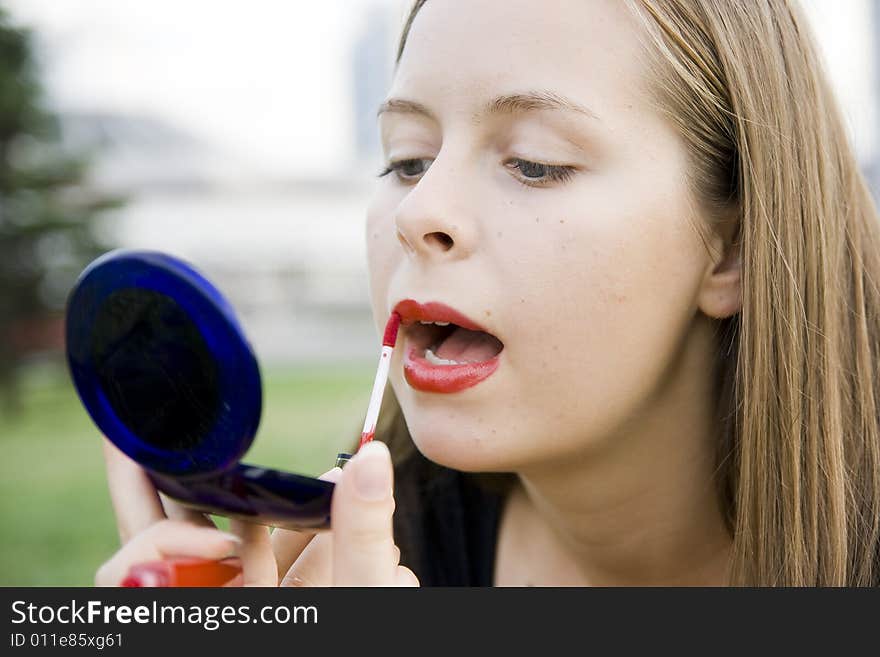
[[268, 79], [845, 32]]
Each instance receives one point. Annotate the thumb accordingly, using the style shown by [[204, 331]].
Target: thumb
[[362, 506]]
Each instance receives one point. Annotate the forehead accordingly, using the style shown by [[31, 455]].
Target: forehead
[[461, 52]]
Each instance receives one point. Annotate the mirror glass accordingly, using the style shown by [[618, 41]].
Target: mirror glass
[[155, 369]]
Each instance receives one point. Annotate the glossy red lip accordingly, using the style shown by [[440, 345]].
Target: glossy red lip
[[412, 311], [426, 376]]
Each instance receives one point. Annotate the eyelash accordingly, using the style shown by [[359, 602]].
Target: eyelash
[[555, 173], [400, 164]]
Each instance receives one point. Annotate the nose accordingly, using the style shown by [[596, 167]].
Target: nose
[[431, 221]]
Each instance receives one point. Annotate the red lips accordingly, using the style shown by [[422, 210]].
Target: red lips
[[426, 376], [412, 311]]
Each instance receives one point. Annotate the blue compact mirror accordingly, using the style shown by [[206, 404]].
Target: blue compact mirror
[[165, 371]]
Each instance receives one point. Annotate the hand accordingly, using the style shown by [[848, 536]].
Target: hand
[[360, 550], [153, 527]]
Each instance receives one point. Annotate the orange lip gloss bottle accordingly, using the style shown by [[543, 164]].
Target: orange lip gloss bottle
[[183, 572]]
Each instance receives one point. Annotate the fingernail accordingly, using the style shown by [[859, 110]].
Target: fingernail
[[372, 472], [231, 537]]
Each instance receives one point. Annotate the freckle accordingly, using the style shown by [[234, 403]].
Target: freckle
[[537, 220], [522, 300], [500, 234], [488, 313], [375, 236], [493, 430], [562, 221], [556, 347]]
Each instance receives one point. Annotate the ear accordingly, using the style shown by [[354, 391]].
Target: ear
[[720, 294]]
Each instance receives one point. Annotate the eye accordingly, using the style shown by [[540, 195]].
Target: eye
[[538, 174], [408, 170]]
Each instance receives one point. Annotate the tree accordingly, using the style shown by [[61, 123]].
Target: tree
[[47, 211]]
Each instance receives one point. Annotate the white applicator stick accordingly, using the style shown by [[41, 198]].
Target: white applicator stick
[[388, 341]]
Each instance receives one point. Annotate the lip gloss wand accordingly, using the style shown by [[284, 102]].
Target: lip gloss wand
[[389, 339]]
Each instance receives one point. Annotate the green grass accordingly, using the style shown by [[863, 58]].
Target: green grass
[[54, 507]]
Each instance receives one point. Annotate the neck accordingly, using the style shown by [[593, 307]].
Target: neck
[[642, 508]]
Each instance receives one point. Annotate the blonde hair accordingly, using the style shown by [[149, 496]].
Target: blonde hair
[[798, 465]]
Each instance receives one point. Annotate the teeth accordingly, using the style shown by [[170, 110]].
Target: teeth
[[437, 323], [432, 358]]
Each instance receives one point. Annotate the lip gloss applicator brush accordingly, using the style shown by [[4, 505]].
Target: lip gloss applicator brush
[[389, 339]]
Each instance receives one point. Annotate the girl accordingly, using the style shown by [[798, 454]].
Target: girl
[[659, 262]]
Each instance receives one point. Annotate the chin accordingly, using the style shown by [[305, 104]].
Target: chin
[[458, 446], [457, 431]]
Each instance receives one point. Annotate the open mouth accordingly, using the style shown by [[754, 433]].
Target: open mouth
[[447, 344], [445, 351]]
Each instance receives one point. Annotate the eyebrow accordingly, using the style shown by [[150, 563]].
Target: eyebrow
[[529, 101]]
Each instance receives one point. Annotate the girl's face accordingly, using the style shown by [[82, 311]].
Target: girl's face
[[535, 189]]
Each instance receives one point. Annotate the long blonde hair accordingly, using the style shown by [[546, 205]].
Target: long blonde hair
[[799, 443]]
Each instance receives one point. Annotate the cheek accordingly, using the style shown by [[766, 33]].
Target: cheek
[[602, 310]]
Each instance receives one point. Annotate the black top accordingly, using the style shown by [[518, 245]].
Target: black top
[[445, 524]]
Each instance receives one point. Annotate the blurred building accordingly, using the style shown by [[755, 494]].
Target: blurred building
[[371, 57]]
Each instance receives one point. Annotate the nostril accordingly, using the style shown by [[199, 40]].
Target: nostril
[[444, 240]]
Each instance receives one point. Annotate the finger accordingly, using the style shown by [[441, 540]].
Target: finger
[[177, 511], [362, 506], [314, 566], [136, 503], [405, 577], [288, 545], [167, 538], [257, 559]]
